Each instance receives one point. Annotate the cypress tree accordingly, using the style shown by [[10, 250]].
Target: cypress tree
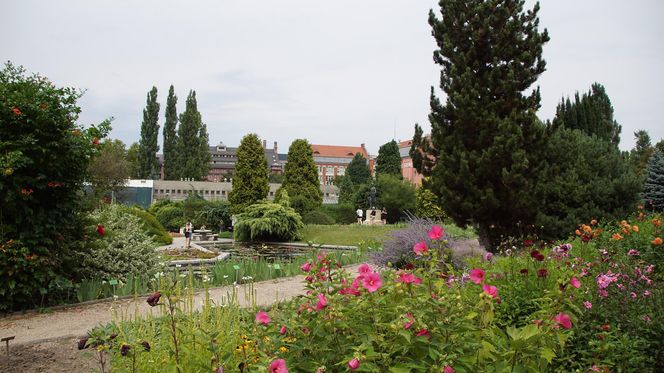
[[250, 181], [301, 178], [653, 193], [487, 133], [388, 161], [148, 166], [170, 136], [191, 136], [358, 170]]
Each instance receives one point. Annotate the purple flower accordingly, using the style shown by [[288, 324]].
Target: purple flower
[[124, 350]]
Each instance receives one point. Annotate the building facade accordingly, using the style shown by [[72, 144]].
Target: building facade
[[332, 160], [407, 170]]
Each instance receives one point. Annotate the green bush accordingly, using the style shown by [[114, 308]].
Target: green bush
[[341, 213], [268, 222], [170, 217], [317, 217], [150, 223], [215, 215], [124, 250]]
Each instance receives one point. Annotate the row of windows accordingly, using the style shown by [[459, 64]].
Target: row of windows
[[203, 192], [329, 170]]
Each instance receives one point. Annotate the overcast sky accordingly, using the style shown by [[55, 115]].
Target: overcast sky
[[334, 72]]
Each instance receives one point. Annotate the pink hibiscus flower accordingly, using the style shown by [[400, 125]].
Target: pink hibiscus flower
[[354, 364], [491, 290], [448, 369], [420, 248], [283, 330], [306, 267], [364, 269], [575, 282], [372, 282], [436, 232], [409, 278], [263, 318], [278, 366], [322, 302], [562, 319], [588, 305], [476, 275]]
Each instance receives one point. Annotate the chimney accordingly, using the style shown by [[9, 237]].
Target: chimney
[[362, 146], [264, 144], [275, 147]]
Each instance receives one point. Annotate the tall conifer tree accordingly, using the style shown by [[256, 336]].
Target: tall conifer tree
[[170, 136], [358, 170], [148, 166], [388, 161], [301, 178], [192, 139], [653, 193], [485, 133], [250, 181]]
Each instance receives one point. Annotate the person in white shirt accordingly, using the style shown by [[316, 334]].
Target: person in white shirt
[[359, 215]]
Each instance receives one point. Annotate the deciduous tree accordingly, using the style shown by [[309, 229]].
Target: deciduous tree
[[148, 166], [170, 136]]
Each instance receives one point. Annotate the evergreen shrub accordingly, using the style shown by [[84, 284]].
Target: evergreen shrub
[[151, 225], [268, 222]]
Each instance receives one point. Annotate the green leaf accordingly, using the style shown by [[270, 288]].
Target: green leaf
[[547, 354]]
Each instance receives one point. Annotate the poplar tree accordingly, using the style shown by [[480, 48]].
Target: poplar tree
[[486, 132], [148, 166], [250, 181], [388, 161], [170, 136], [192, 142], [301, 178]]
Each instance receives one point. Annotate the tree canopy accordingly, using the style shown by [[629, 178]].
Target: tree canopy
[[148, 166], [193, 160], [250, 182], [653, 193], [170, 136], [358, 170], [301, 178], [388, 161]]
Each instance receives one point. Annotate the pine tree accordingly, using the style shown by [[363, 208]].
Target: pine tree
[[653, 193], [148, 166], [192, 142], [250, 182], [486, 132], [358, 170], [301, 178], [642, 151], [170, 136], [388, 161]]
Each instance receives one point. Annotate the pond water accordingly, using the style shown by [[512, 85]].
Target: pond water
[[252, 250]]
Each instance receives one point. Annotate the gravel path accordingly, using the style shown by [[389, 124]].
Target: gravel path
[[75, 321]]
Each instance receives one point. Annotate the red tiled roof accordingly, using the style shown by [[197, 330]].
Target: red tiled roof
[[406, 143], [338, 151]]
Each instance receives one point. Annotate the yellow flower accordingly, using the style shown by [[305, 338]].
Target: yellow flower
[[283, 349]]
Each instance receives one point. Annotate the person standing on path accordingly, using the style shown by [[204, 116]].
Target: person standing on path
[[188, 230], [359, 215]]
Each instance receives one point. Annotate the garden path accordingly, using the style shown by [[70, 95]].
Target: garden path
[[75, 321]]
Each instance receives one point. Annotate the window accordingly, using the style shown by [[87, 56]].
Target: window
[[341, 171], [329, 170], [320, 170], [329, 179]]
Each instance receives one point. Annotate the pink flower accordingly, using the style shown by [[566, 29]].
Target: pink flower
[[588, 304], [633, 252], [322, 302], [562, 319], [283, 330], [372, 282], [575, 282], [411, 321], [364, 269], [278, 366], [306, 267], [423, 333], [646, 293], [354, 364], [436, 232], [448, 369], [633, 294], [476, 275], [488, 258], [409, 278], [420, 248], [491, 290], [646, 318], [263, 318]]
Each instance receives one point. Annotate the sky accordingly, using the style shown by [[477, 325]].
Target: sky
[[334, 72]]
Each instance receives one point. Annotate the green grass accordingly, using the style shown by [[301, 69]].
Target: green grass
[[350, 235]]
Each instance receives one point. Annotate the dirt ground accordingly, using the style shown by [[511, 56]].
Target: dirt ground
[[60, 355]]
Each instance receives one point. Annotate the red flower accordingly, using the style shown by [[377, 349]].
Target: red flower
[[423, 333], [16, 111], [448, 369], [542, 272], [436, 232], [524, 271], [537, 255], [420, 248], [100, 230], [26, 191], [95, 141], [153, 299], [528, 243], [491, 290], [562, 319], [354, 364], [372, 282], [306, 267], [263, 318], [476, 275]]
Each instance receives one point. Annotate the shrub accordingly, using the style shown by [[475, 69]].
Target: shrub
[[152, 226], [268, 222], [170, 217], [317, 217], [341, 213], [428, 205], [124, 250], [398, 248], [215, 214]]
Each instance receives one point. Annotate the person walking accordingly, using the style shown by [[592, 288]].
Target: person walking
[[188, 230], [359, 215]]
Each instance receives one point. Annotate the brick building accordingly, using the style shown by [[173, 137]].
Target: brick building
[[407, 170], [332, 160]]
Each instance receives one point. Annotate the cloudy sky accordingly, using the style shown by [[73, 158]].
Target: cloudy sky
[[335, 72]]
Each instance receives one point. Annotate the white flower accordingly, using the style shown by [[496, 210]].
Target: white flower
[[183, 275], [115, 297], [178, 265], [225, 276]]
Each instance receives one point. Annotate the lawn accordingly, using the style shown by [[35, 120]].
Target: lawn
[[353, 234]]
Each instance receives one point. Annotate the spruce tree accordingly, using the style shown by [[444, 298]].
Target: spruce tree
[[170, 136], [192, 138], [642, 151], [486, 133], [388, 161], [148, 166], [358, 170], [301, 178], [653, 193], [250, 181]]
